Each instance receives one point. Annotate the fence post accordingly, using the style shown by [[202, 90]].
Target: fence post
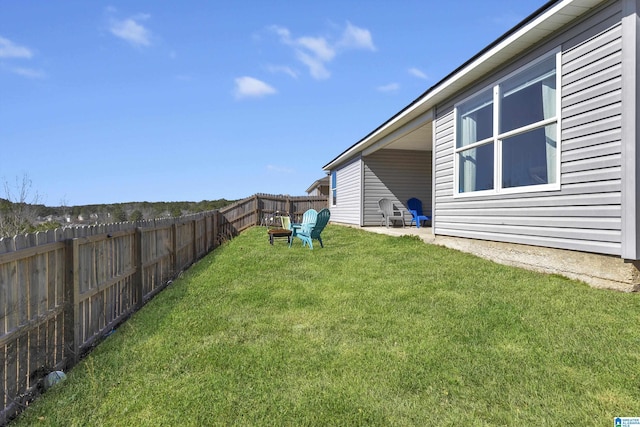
[[207, 247], [71, 289], [194, 237], [138, 265], [257, 210], [215, 228], [174, 246]]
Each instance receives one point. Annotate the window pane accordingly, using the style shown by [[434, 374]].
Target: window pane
[[476, 168], [334, 187], [529, 96], [530, 158], [475, 119]]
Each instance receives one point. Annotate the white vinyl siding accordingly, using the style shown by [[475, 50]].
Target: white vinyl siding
[[349, 186], [585, 212]]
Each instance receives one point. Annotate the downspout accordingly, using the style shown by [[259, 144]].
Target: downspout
[[362, 190], [433, 170], [630, 114]]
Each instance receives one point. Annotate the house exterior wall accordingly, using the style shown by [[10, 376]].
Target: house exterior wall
[[348, 205], [585, 214], [322, 190], [397, 175]]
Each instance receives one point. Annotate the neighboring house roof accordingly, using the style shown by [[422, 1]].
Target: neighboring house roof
[[318, 183], [543, 22]]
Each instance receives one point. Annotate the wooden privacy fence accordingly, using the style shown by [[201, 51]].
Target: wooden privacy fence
[[63, 290]]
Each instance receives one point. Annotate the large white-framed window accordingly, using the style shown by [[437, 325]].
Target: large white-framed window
[[507, 136]]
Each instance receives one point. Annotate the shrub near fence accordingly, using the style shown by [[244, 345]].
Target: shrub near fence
[[63, 290]]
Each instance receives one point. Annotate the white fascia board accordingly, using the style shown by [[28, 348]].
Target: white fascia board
[[532, 32]]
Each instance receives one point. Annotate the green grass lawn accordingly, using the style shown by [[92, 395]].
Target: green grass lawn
[[371, 330]]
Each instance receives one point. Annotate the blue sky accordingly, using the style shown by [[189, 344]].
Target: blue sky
[[109, 102]]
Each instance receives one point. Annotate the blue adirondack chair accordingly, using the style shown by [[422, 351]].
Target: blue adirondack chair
[[307, 233], [415, 207], [309, 218]]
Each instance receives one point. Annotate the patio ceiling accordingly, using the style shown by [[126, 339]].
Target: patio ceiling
[[419, 139]]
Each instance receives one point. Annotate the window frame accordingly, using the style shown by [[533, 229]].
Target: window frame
[[334, 187], [497, 138]]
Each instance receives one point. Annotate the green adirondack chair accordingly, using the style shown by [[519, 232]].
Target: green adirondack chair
[[307, 233]]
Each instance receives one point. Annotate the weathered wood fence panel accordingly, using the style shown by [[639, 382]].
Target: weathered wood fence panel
[[63, 290], [270, 206], [244, 214], [105, 291], [31, 316], [183, 235], [156, 259]]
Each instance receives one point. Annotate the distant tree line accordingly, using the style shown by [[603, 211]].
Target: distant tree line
[[136, 211], [17, 218], [21, 210]]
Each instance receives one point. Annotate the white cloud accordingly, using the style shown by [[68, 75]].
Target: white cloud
[[316, 66], [318, 47], [417, 73], [9, 49], [284, 33], [317, 52], [282, 69], [131, 30], [249, 87], [356, 38], [391, 87], [29, 72]]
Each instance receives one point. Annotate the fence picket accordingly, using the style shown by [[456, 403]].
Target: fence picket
[[4, 311]]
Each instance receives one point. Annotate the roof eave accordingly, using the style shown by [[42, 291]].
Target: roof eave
[[324, 180], [549, 18]]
